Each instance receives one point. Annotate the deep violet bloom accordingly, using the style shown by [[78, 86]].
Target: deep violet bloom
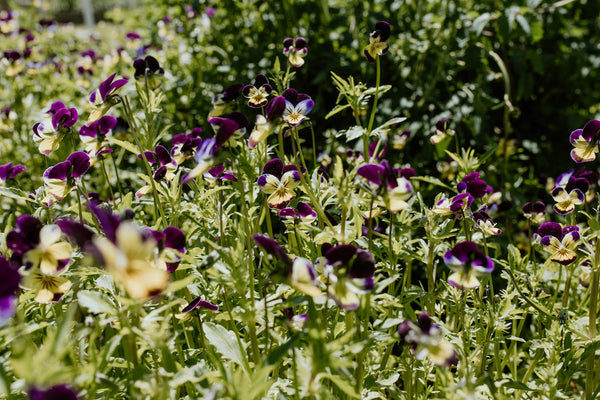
[[93, 136], [225, 102], [218, 173], [58, 179], [441, 131], [467, 263], [9, 171], [377, 42], [302, 213], [297, 106], [278, 181], [148, 69], [534, 211], [257, 94], [390, 183], [49, 133], [474, 185], [170, 244], [568, 192], [295, 50], [485, 223], [426, 341], [299, 273], [9, 286], [186, 312], [103, 98], [349, 272], [559, 242], [163, 165], [58, 392], [585, 142], [265, 125], [185, 145], [453, 206]]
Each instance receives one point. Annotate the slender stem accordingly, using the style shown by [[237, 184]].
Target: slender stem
[[373, 110]]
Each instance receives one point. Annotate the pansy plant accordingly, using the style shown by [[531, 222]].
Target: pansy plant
[[559, 242], [295, 50], [426, 341], [377, 43], [257, 94], [441, 131], [467, 263], [585, 142], [535, 211], [278, 181], [569, 192], [49, 133], [301, 214], [103, 98], [59, 179], [297, 107], [226, 101], [485, 223], [148, 69], [348, 272], [164, 167], [9, 172], [395, 188], [266, 124], [185, 145], [93, 137]]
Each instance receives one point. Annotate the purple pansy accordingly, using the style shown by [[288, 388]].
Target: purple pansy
[[170, 244], [299, 273], [218, 173], [266, 124], [163, 164], [9, 286], [149, 70], [93, 136], [49, 133], [278, 181], [58, 392], [225, 102], [185, 144], [467, 263], [441, 131], [394, 187], [569, 192], [297, 106], [455, 205], [257, 94], [349, 271], [302, 213], [426, 341], [585, 142], [485, 223], [559, 242], [103, 98], [474, 185], [9, 171], [377, 42], [58, 179], [295, 50], [534, 211]]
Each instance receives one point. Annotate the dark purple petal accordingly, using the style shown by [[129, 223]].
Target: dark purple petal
[[54, 107], [340, 254], [216, 170], [227, 128], [287, 213], [300, 43], [275, 108], [462, 251], [109, 222], [58, 392], [372, 172], [363, 265], [305, 210], [105, 124], [272, 247], [239, 118], [383, 28], [174, 239], [425, 323], [261, 79], [163, 155], [76, 231], [590, 130], [160, 173], [247, 89], [288, 42], [291, 95], [58, 171], [550, 229], [232, 92], [80, 162], [140, 68], [273, 167], [198, 302], [9, 278]]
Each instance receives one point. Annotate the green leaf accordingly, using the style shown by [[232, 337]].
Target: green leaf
[[517, 385], [15, 193], [276, 66], [95, 302], [385, 127], [343, 385], [479, 23], [338, 108], [353, 133], [226, 342], [132, 148], [280, 351], [523, 23]]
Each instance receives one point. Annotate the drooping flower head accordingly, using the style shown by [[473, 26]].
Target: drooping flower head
[[441, 131], [225, 102], [93, 137], [534, 211], [559, 242], [485, 223], [9, 172], [278, 181], [568, 192], [585, 142], [295, 50], [297, 106], [185, 145], [349, 271], [103, 98], [58, 179], [299, 273], [266, 124], [163, 165], [377, 43], [218, 173], [198, 302], [453, 206], [50, 132], [394, 187], [426, 341], [301, 214], [467, 263], [474, 185], [257, 94], [170, 245], [148, 69]]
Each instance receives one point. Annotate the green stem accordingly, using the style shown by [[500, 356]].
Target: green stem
[[373, 110]]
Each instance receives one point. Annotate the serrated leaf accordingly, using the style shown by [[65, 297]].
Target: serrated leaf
[[95, 302], [225, 342]]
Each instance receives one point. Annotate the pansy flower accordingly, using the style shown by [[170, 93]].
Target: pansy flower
[[58, 179], [218, 173], [569, 192], [36, 246], [185, 144], [186, 311], [9, 171], [534, 211], [455, 205], [103, 98], [163, 164], [426, 341], [400, 140], [149, 69], [585, 142], [9, 286], [257, 94], [93, 136], [50, 132], [377, 43], [278, 181], [441, 131], [129, 254], [266, 124], [225, 102], [349, 271], [301, 214], [467, 263], [56, 392], [170, 245], [485, 223], [474, 185], [559, 242], [299, 273], [206, 153], [297, 107], [394, 187], [240, 119], [295, 50]]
